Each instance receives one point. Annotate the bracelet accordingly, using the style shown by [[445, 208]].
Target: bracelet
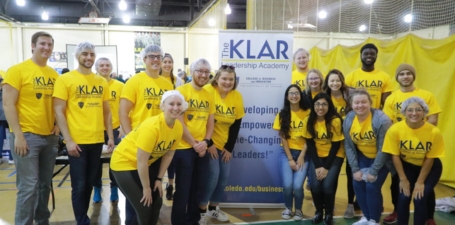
[[160, 179]]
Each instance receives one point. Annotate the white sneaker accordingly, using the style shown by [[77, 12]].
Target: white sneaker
[[217, 214], [298, 215], [203, 220], [362, 221], [372, 222], [11, 162], [286, 214]]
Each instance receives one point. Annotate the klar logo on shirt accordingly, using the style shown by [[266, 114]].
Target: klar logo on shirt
[[189, 116], [149, 105], [81, 104], [39, 95]]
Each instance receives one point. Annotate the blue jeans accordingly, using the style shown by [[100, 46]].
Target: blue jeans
[[33, 178], [324, 191], [192, 172], [420, 205], [2, 138], [218, 175], [369, 195], [292, 180], [83, 173]]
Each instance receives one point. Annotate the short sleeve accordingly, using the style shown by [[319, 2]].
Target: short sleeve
[[388, 84], [277, 123], [433, 105], [348, 80], [13, 77], [60, 89], [388, 108], [390, 144], [212, 105], [304, 131], [240, 112], [129, 91], [437, 148], [147, 136], [178, 133], [106, 92], [336, 130]]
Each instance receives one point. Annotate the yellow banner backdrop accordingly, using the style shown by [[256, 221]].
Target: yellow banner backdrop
[[434, 61]]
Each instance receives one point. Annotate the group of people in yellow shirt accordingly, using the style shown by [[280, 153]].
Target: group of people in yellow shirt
[[162, 121], [327, 119]]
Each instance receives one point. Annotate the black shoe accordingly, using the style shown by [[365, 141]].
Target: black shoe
[[328, 219], [318, 216], [169, 192]]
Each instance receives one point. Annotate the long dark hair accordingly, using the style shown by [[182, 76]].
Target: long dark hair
[[344, 88], [328, 117], [167, 55], [285, 113]]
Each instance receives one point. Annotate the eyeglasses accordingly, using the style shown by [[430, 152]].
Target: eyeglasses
[[152, 57], [414, 110], [313, 78], [293, 93], [227, 67], [321, 105], [203, 72]]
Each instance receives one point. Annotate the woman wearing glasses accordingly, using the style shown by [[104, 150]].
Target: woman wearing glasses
[[323, 135], [364, 129], [414, 145], [293, 163], [228, 117], [314, 81], [167, 72]]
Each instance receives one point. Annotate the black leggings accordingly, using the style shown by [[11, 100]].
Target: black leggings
[[130, 185], [350, 185]]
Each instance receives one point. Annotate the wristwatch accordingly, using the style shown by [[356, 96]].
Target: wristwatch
[[160, 179], [207, 141]]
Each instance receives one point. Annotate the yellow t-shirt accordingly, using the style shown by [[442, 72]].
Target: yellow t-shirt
[[200, 106], [84, 96], [152, 136], [323, 139], [414, 145], [145, 94], [363, 136], [299, 79], [227, 111], [34, 106], [115, 89], [375, 82], [296, 140], [392, 105], [340, 106]]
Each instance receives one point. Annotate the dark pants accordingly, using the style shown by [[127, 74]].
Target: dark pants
[[420, 205], [395, 191], [131, 186], [98, 183], [323, 191], [350, 186], [192, 172], [83, 172], [171, 170]]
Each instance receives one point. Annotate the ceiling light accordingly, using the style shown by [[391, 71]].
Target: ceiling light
[[322, 14], [362, 28], [368, 1], [212, 22], [20, 2], [227, 10], [290, 26], [126, 19], [45, 15], [408, 18], [122, 5]]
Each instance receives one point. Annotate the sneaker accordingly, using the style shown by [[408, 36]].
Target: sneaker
[[362, 221], [349, 214], [298, 215], [97, 195], [372, 222], [114, 194], [286, 214], [169, 192], [217, 214], [11, 162], [203, 220], [391, 218], [430, 222]]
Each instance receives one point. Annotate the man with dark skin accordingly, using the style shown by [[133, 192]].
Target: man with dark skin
[[376, 82]]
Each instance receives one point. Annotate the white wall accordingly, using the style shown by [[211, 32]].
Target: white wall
[[203, 43], [8, 40]]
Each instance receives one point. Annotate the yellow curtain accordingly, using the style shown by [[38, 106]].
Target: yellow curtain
[[434, 61]]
